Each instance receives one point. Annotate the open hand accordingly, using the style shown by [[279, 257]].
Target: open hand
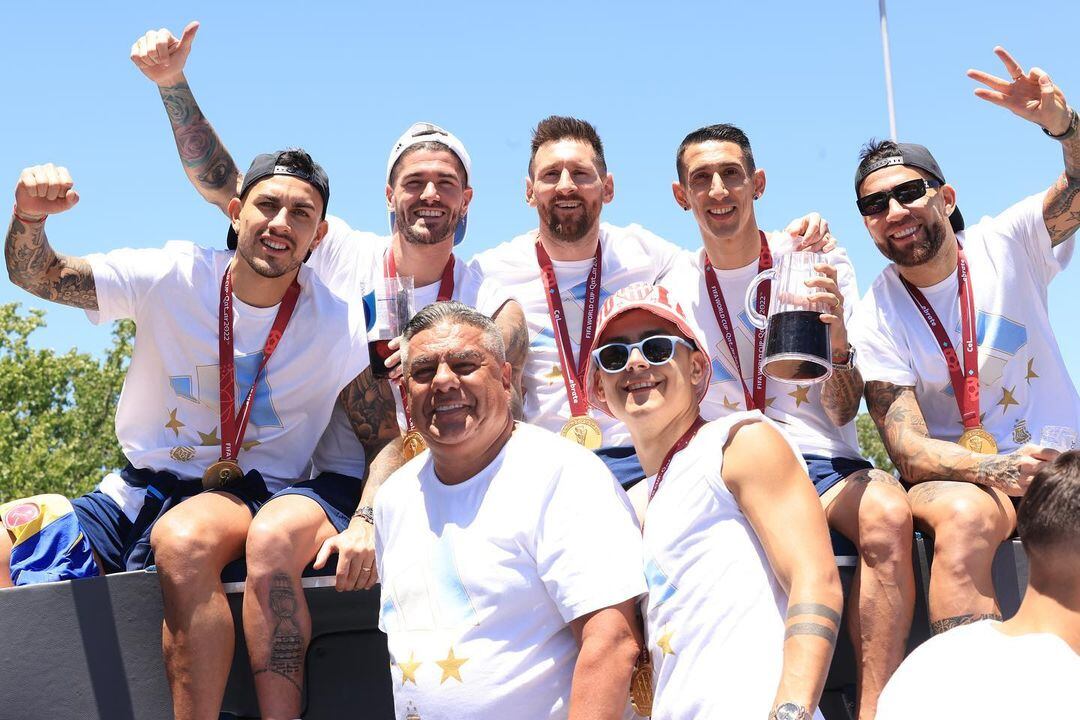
[[1031, 95], [355, 548], [161, 57]]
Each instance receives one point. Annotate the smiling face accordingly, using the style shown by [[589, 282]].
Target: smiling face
[[568, 190], [720, 190], [642, 395], [459, 392], [428, 195], [277, 224], [914, 234]]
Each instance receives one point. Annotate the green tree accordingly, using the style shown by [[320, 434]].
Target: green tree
[[870, 443], [57, 410]]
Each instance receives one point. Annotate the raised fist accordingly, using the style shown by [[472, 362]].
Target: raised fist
[[161, 57], [44, 190]]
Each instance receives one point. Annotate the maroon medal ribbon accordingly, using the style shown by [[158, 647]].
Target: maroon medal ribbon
[[679, 446], [965, 380], [234, 426], [573, 372], [755, 400], [446, 292]]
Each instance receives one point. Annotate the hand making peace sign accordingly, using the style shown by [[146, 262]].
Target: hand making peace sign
[[1031, 95]]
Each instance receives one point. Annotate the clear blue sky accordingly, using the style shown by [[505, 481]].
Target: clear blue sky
[[804, 79]]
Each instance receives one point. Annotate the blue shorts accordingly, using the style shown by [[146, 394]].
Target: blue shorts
[[338, 495], [623, 464], [826, 472]]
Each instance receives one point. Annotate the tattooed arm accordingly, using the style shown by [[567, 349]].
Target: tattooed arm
[[369, 403], [779, 501], [919, 457], [1061, 206], [511, 322], [208, 165], [32, 264], [841, 393]]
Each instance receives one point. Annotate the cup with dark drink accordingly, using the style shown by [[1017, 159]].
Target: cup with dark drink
[[393, 310], [797, 345]]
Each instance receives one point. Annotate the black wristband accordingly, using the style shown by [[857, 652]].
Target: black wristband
[[1069, 132]]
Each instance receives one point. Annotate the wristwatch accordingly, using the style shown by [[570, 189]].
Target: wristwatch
[[790, 711], [365, 513], [1069, 131], [848, 364]]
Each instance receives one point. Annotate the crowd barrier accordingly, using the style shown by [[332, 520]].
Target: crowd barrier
[[92, 648]]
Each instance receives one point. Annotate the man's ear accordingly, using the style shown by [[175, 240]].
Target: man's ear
[[697, 367], [759, 183], [680, 195], [389, 197], [233, 210], [948, 194], [530, 198], [609, 188]]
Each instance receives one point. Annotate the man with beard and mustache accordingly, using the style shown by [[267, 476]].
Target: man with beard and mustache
[[428, 195], [954, 339], [564, 269]]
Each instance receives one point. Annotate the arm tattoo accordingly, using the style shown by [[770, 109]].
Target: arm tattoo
[[999, 471], [814, 609], [287, 644], [810, 628], [33, 265], [206, 161], [939, 626], [840, 396], [369, 404], [1061, 207]]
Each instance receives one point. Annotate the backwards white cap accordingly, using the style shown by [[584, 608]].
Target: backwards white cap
[[423, 132]]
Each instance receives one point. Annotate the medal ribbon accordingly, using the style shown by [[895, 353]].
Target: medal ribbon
[[233, 426], [965, 380], [679, 446], [756, 400], [573, 372], [446, 292]]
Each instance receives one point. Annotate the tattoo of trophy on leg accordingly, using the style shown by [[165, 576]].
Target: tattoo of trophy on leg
[[286, 642]]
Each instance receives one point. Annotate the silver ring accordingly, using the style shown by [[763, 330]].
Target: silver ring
[[365, 569]]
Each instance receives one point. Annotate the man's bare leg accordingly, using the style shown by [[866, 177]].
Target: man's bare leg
[[967, 522], [192, 543], [283, 539], [870, 508]]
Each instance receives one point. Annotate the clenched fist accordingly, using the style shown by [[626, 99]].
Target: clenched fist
[[44, 190], [161, 57]]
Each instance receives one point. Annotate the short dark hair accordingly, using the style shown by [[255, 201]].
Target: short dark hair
[[557, 127], [456, 313], [431, 146], [1049, 514], [875, 150], [722, 132], [296, 159]]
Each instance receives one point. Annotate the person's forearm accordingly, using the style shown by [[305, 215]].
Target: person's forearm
[[601, 684], [389, 459], [206, 162], [1061, 208], [841, 394], [813, 620], [33, 265]]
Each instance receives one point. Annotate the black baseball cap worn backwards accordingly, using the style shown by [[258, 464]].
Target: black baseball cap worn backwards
[[916, 156], [267, 165]]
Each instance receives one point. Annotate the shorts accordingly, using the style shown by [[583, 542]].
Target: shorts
[[826, 472], [338, 495], [623, 464]]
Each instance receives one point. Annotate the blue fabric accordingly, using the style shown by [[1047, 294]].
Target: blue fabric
[[826, 472], [106, 527], [58, 551], [623, 464], [338, 495]]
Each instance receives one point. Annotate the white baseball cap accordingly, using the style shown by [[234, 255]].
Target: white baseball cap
[[423, 132]]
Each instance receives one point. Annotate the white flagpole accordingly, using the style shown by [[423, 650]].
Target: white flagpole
[[888, 69]]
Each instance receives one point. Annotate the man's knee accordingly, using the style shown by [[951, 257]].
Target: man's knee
[[969, 527], [186, 548], [885, 524], [270, 548]]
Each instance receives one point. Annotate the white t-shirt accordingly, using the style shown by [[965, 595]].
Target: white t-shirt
[[977, 671], [350, 262], [796, 407], [630, 254], [480, 579], [714, 616], [1022, 376], [168, 417]]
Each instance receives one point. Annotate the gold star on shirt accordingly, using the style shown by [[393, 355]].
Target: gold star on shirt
[[173, 423], [1007, 399], [553, 375], [451, 667], [248, 444], [664, 643], [1031, 371], [769, 401], [729, 404], [209, 438], [408, 669], [800, 394]]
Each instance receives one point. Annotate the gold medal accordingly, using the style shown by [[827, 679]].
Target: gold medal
[[221, 474], [412, 445], [583, 430], [641, 692], [977, 440]]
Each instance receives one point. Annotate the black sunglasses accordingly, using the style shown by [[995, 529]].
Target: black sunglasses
[[905, 194], [656, 350]]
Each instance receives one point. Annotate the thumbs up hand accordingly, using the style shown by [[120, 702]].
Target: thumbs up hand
[[161, 57]]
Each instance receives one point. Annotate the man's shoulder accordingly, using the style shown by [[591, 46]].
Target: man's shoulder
[[516, 253], [549, 453], [620, 237]]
